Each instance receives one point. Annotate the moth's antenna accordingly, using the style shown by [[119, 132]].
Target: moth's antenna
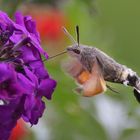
[[69, 35], [77, 34]]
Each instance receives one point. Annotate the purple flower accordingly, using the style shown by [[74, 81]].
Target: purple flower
[[9, 86], [24, 81], [6, 28]]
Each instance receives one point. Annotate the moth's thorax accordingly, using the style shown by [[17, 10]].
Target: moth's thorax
[[88, 57]]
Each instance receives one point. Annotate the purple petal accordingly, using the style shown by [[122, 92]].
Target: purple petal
[[33, 109], [26, 83], [10, 113], [46, 88]]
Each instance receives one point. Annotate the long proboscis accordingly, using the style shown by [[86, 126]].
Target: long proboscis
[[51, 57]]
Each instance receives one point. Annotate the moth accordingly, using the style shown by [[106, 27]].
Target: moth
[[92, 69]]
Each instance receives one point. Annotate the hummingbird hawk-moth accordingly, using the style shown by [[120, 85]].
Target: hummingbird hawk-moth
[[92, 68]]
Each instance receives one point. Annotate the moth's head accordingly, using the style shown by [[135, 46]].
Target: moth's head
[[74, 50]]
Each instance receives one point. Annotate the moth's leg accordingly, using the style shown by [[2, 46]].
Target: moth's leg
[[112, 89]]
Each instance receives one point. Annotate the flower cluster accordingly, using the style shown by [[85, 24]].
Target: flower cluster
[[24, 80]]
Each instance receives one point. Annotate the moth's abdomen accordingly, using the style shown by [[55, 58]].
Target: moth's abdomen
[[112, 70], [114, 73]]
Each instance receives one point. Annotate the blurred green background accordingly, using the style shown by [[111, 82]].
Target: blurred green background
[[114, 27]]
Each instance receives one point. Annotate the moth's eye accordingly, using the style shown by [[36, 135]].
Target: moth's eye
[[76, 51]]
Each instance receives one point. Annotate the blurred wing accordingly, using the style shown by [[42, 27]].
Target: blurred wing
[[75, 69], [89, 84], [72, 67], [95, 83]]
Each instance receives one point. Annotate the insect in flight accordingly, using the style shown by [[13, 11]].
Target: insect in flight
[[92, 68]]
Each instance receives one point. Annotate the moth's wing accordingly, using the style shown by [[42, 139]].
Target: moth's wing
[[95, 84], [74, 68], [89, 84]]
